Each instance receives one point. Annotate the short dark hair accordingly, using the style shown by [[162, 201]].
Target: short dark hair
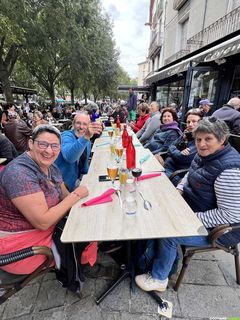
[[195, 112], [172, 111], [45, 128]]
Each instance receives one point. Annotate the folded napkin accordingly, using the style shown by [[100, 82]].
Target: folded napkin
[[102, 144], [137, 144], [144, 158], [149, 176], [104, 197]]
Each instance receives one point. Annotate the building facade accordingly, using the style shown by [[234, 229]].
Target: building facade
[[199, 56], [143, 71]]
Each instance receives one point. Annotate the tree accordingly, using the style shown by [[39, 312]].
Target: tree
[[12, 38]]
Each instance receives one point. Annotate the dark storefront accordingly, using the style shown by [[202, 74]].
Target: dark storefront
[[212, 74]]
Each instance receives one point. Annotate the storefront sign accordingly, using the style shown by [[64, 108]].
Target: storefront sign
[[225, 51]]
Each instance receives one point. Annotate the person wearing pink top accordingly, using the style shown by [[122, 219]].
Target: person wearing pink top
[[143, 112]]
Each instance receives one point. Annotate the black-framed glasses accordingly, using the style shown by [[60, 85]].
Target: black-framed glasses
[[44, 145]]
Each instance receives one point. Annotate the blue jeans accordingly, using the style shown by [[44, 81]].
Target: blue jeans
[[166, 253]]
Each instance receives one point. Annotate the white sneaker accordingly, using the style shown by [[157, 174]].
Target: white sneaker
[[147, 283]]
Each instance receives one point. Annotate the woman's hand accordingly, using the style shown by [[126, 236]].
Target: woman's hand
[[160, 159], [81, 191], [185, 152]]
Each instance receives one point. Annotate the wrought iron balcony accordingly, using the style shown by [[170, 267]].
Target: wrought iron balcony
[[217, 30], [178, 4], [176, 56], [155, 43]]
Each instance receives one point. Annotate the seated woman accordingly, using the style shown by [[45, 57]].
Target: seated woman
[[212, 190], [167, 134], [143, 113], [182, 151], [38, 119], [33, 198]]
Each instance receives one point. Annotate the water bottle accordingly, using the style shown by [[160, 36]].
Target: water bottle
[[130, 202]]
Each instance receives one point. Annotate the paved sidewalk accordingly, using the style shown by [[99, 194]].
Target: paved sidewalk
[[208, 290]]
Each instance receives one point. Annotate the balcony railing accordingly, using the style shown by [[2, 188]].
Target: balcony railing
[[176, 56], [177, 4], [217, 30], [155, 43]]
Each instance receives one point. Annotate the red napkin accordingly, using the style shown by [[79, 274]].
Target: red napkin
[[104, 197], [89, 254], [149, 176]]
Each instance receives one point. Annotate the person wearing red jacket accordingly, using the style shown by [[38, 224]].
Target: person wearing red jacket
[[143, 112]]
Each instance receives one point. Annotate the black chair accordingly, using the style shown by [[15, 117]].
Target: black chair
[[214, 235], [11, 283], [234, 140]]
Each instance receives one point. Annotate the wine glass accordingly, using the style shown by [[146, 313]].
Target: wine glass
[[110, 133], [112, 170], [136, 172], [119, 151]]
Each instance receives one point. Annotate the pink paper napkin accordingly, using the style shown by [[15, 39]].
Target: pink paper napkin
[[104, 197], [149, 176]]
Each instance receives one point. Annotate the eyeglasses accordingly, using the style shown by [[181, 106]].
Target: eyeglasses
[[212, 119], [79, 123], [44, 145]]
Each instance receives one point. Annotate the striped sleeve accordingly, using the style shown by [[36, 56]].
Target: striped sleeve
[[227, 190]]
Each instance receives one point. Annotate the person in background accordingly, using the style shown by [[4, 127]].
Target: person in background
[[7, 149], [151, 125], [9, 107], [181, 153], [33, 198], [118, 111], [211, 189], [132, 105], [143, 115], [205, 105], [18, 132], [76, 148], [166, 134], [230, 114], [38, 119]]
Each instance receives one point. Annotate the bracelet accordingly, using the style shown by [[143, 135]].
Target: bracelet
[[76, 194]]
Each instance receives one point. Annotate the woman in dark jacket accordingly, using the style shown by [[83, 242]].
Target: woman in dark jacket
[[167, 134], [182, 152]]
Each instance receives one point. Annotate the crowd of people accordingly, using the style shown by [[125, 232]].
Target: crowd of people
[[46, 165]]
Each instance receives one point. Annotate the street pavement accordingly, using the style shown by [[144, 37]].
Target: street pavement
[[209, 290]]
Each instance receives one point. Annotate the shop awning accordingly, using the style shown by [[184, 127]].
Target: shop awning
[[20, 90], [216, 53], [125, 88]]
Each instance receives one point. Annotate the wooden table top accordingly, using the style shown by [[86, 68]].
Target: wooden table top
[[170, 215]]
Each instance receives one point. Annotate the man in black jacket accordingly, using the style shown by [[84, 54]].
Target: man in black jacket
[[230, 114], [7, 149]]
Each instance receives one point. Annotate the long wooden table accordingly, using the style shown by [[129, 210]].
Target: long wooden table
[[170, 215]]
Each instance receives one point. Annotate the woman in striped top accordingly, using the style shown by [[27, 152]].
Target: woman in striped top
[[212, 189]]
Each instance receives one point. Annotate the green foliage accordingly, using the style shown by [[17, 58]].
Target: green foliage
[[60, 43]]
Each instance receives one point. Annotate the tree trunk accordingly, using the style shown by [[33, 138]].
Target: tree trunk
[[72, 95], [51, 92], [6, 86]]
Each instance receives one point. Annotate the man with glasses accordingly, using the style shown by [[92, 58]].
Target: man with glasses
[[75, 149]]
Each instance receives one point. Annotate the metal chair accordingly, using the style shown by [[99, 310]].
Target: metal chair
[[11, 283], [214, 235]]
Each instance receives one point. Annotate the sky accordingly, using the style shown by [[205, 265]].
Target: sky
[[130, 33]]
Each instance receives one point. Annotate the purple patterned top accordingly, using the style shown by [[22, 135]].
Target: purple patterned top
[[22, 177]]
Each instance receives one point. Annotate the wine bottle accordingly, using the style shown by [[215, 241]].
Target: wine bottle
[[125, 137], [118, 123], [130, 154]]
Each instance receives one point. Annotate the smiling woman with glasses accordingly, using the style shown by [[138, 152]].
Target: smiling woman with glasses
[[33, 198]]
